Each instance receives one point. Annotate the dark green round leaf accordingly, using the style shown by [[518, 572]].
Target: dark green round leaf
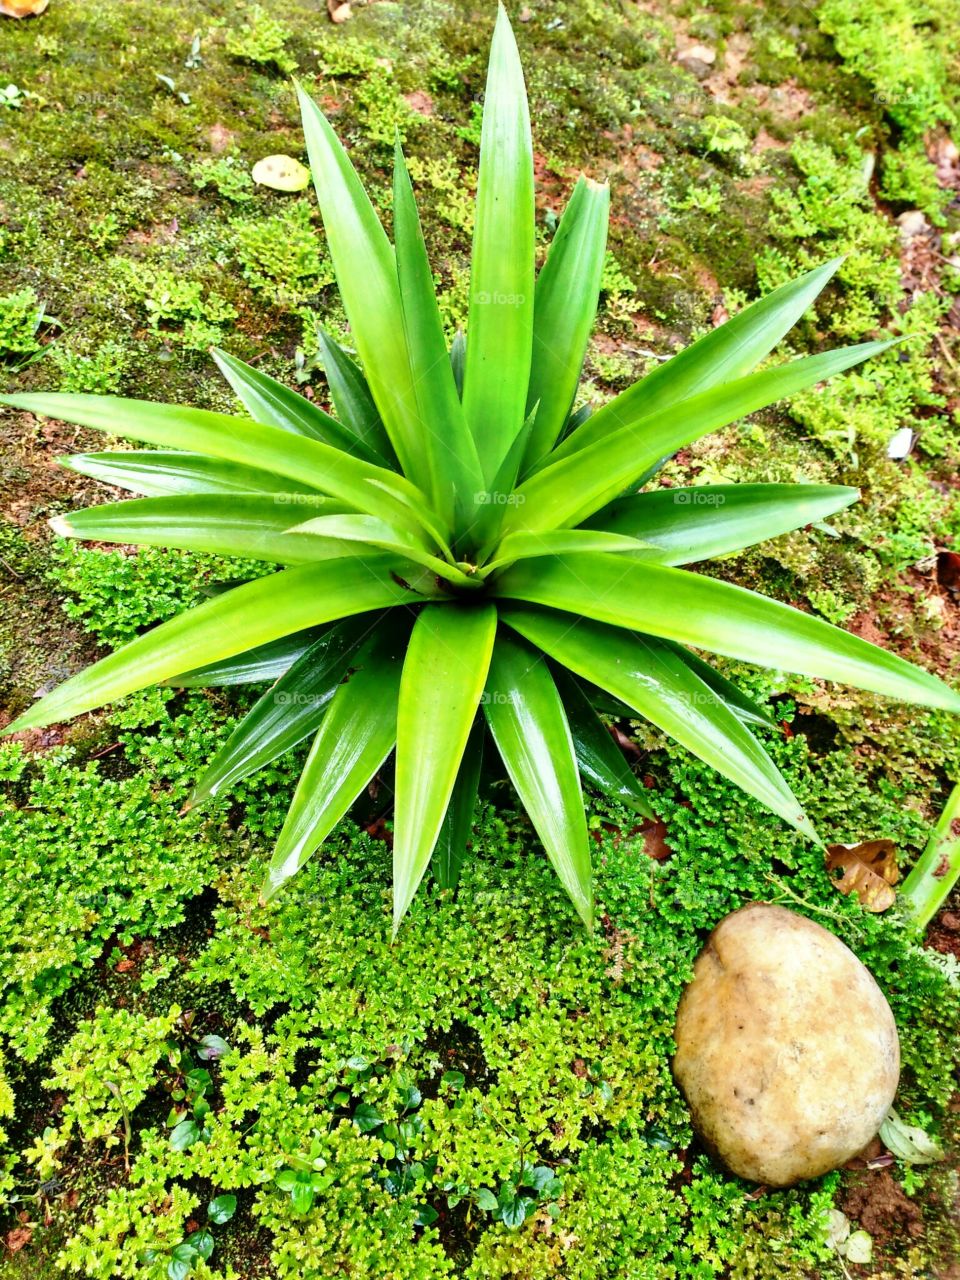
[[202, 1241], [185, 1135], [367, 1118], [211, 1048], [222, 1208]]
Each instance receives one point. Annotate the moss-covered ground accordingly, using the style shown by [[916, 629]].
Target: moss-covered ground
[[491, 1097]]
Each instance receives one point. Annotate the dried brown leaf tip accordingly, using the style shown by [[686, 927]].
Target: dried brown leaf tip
[[868, 870]]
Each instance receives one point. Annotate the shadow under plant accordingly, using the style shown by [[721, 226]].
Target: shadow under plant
[[491, 1096]]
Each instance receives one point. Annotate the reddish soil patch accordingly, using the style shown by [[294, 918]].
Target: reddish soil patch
[[878, 1204]]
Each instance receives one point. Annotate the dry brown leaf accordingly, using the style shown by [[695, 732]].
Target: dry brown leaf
[[339, 11], [18, 1238], [868, 870], [655, 841], [22, 8]]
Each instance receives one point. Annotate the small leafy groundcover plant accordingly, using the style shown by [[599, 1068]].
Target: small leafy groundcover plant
[[465, 555]]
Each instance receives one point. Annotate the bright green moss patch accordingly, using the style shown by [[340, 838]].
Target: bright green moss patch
[[433, 1078]]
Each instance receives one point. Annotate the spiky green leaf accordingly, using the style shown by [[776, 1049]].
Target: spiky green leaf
[[718, 617], [256, 613], [529, 727], [500, 316], [443, 678], [649, 677], [287, 713], [686, 525], [565, 304], [356, 736]]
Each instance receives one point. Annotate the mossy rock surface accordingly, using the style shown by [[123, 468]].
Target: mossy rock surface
[[495, 1039]]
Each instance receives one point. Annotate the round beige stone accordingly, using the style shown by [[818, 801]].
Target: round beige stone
[[787, 1052]]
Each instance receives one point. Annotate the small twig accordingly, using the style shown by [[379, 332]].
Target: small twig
[[946, 354], [810, 906], [843, 1268], [127, 1130]]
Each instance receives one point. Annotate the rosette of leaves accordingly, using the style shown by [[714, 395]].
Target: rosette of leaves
[[464, 557]]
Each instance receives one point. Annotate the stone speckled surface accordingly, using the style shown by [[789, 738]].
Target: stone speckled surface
[[787, 1051]]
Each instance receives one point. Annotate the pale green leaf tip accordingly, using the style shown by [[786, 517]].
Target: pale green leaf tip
[[61, 526]]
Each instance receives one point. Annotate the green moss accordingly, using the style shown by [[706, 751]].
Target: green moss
[[21, 315], [262, 39], [136, 223]]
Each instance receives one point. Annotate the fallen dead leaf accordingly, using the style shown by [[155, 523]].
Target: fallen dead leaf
[[868, 870], [22, 8], [948, 570], [339, 11], [655, 841], [18, 1238]]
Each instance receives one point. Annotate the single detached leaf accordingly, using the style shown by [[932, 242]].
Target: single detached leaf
[[858, 1248], [908, 1142], [838, 1228], [281, 173], [868, 870]]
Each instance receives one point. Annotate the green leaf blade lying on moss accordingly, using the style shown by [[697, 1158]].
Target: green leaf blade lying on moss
[[458, 578]]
